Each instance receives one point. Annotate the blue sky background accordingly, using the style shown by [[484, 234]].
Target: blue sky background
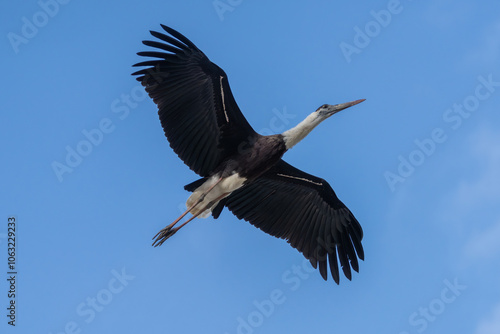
[[437, 225]]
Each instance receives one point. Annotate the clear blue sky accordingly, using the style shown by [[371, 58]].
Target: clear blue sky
[[417, 163]]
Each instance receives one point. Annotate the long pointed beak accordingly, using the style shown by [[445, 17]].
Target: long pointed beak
[[343, 106], [333, 109]]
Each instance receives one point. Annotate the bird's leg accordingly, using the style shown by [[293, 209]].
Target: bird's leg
[[169, 231], [169, 227], [162, 238]]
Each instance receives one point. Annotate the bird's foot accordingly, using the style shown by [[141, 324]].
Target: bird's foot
[[163, 235]]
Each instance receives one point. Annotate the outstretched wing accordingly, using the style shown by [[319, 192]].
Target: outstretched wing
[[303, 209], [196, 107]]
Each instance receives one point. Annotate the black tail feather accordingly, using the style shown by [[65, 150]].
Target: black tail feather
[[193, 185], [218, 208]]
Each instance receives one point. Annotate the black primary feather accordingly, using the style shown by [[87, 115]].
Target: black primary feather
[[303, 209], [202, 128]]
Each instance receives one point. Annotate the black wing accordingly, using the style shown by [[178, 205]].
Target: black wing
[[196, 107], [303, 209]]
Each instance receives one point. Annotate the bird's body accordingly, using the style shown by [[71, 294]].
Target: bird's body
[[239, 168], [245, 166]]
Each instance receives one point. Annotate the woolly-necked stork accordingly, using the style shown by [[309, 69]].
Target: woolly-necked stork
[[239, 168]]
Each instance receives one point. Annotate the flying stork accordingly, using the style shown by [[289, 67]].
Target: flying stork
[[239, 168]]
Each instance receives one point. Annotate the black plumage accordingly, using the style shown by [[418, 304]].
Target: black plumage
[[303, 209], [207, 130], [186, 86]]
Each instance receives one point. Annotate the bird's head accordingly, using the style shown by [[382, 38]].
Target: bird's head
[[327, 110], [299, 132]]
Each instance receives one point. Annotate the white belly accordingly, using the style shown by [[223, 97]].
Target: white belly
[[223, 189]]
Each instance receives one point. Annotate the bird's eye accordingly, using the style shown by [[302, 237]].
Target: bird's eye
[[322, 107]]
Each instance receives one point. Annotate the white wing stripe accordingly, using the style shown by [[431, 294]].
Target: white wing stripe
[[300, 178], [223, 103]]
